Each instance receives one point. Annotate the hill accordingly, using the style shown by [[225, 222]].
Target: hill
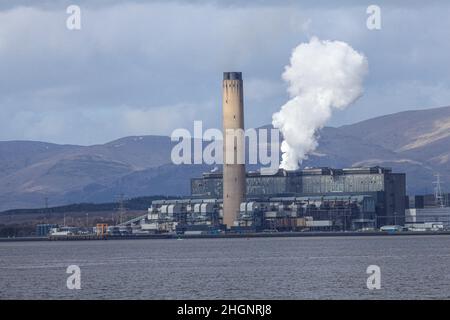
[[415, 142]]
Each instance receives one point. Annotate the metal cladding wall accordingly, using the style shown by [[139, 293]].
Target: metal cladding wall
[[332, 213], [422, 215], [387, 188], [395, 195], [427, 200], [233, 146], [296, 182]]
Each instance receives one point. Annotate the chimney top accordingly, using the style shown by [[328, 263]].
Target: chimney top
[[232, 76]]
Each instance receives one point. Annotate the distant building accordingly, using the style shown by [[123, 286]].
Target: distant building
[[427, 200], [387, 189], [42, 230], [428, 214], [333, 213], [428, 210], [324, 213], [322, 199]]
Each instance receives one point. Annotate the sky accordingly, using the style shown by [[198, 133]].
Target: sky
[[149, 67]]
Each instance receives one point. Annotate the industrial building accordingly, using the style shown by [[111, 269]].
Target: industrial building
[[431, 211], [182, 216], [274, 214], [308, 199], [43, 229], [319, 199], [428, 201], [385, 188], [428, 217]]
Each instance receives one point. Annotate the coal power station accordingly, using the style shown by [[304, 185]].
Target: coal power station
[[309, 199], [386, 190]]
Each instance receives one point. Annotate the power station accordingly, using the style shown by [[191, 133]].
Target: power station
[[316, 199]]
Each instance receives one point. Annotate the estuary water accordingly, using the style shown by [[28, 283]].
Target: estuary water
[[412, 267]]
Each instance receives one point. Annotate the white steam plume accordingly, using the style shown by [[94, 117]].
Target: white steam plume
[[322, 76]]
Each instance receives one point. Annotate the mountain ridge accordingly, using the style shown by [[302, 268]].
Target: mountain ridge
[[416, 142]]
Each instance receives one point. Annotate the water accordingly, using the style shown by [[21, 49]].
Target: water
[[412, 267]]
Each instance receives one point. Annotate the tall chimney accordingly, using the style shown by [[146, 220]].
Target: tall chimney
[[234, 185]]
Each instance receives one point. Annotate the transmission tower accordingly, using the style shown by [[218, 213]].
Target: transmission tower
[[121, 208], [438, 197]]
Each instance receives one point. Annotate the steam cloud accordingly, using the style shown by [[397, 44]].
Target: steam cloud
[[322, 76]]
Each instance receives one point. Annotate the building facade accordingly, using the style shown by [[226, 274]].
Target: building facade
[[387, 189]]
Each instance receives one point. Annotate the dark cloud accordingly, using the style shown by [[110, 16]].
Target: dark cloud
[[140, 67]]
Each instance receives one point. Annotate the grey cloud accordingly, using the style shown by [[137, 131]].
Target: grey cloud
[[135, 62]]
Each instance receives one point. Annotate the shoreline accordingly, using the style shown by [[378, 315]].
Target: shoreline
[[228, 236]]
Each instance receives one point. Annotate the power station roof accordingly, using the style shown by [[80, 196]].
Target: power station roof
[[313, 171]]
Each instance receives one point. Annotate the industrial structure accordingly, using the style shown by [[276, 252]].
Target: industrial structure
[[233, 145], [300, 200], [317, 199], [310, 199], [386, 189], [43, 229], [425, 212]]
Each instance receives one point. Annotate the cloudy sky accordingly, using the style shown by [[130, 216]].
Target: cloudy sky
[[149, 67]]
